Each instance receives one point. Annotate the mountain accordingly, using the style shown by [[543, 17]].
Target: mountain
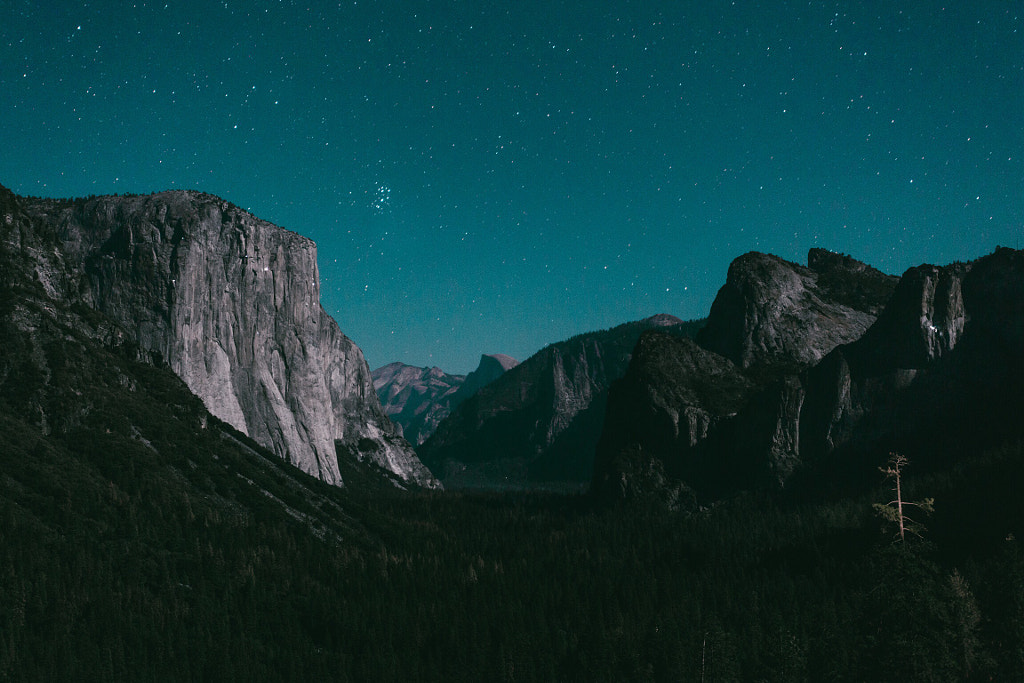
[[802, 395], [941, 369], [144, 538], [774, 313], [228, 301], [491, 367], [417, 399], [537, 424]]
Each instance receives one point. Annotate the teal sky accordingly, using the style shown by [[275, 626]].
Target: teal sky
[[489, 177]]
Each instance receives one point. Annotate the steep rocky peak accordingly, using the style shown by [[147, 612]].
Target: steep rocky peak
[[492, 366], [772, 312], [924, 319], [231, 303]]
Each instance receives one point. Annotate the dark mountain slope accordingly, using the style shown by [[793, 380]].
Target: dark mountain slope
[[939, 371], [143, 537], [540, 421]]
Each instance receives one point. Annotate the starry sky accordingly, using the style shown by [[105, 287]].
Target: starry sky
[[490, 177]]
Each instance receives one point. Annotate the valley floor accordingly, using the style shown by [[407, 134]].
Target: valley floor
[[131, 583]]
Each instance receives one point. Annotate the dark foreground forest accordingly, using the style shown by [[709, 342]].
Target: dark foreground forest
[[118, 563]]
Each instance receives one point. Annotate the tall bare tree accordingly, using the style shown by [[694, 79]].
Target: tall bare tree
[[895, 510]]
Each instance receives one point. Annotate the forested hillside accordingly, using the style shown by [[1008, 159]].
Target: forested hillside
[[119, 562]]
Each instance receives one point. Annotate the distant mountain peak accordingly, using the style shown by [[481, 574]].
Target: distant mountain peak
[[418, 399], [662, 320]]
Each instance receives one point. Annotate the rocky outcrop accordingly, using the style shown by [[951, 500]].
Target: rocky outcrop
[[538, 424], [778, 314], [660, 415], [739, 387], [942, 365], [232, 304], [417, 399], [938, 372]]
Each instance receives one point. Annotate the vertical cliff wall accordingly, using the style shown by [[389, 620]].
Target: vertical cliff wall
[[232, 304]]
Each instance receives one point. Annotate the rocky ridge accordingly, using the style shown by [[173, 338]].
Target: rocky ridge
[[417, 399], [230, 302], [938, 369], [538, 424], [737, 387], [772, 312], [943, 361]]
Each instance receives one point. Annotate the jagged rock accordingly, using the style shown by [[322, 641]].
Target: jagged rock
[[540, 421], [942, 361], [232, 304], [939, 371], [774, 313], [417, 399], [771, 320]]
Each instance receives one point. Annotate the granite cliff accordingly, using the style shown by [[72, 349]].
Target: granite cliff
[[417, 399], [806, 394], [230, 302], [778, 314], [537, 425], [723, 413], [941, 369]]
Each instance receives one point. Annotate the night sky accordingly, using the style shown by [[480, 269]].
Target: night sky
[[489, 177]]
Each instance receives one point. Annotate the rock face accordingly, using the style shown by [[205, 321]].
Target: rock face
[[771, 312], [739, 386], [417, 399], [538, 424], [232, 304], [940, 370], [490, 368], [943, 365], [660, 415]]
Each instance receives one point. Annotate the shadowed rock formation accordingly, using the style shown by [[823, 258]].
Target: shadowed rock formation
[[538, 424], [938, 372], [740, 387]]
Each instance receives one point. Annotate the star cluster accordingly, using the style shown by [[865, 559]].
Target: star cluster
[[491, 177]]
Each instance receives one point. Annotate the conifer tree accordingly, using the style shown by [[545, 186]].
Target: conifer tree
[[895, 510]]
